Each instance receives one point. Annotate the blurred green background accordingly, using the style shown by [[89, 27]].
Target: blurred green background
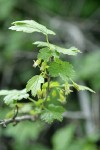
[[77, 23]]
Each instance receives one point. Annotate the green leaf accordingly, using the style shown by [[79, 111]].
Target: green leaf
[[51, 113], [6, 92], [62, 69], [63, 138], [14, 95], [45, 54], [70, 51], [30, 26], [34, 84], [22, 132], [82, 88]]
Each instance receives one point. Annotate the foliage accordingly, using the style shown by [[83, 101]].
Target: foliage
[[23, 133], [16, 54], [14, 95], [52, 112], [64, 138], [34, 84], [65, 71], [70, 142], [66, 134], [47, 107], [30, 26], [70, 51], [26, 130]]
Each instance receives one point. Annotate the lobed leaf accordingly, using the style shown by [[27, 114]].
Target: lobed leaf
[[14, 95], [30, 26], [52, 113], [62, 69], [45, 54], [70, 51], [34, 84]]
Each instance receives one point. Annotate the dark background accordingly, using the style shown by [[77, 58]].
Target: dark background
[[77, 23]]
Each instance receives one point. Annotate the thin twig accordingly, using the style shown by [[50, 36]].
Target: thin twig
[[5, 122], [15, 113], [48, 88]]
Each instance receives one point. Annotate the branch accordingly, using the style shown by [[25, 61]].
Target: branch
[[5, 122], [67, 114]]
